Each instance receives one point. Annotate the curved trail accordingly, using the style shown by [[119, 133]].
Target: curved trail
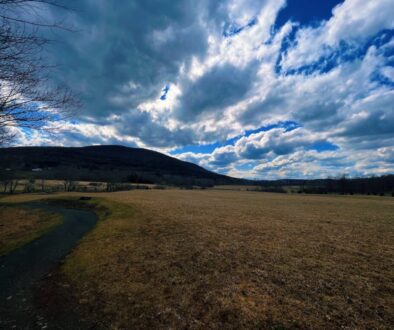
[[21, 269]]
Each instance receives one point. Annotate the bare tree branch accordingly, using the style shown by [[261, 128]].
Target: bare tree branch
[[28, 97]]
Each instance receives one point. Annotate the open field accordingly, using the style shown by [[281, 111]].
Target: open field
[[20, 226], [231, 259]]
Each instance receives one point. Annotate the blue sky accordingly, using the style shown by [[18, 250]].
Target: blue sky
[[257, 89], [306, 12]]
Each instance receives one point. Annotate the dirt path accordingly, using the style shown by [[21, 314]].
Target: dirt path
[[21, 269]]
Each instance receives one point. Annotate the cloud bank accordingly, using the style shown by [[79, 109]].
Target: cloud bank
[[214, 82]]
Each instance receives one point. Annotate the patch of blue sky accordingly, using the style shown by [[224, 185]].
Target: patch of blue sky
[[234, 29], [209, 148], [28, 132], [382, 80], [35, 117], [287, 125], [288, 42], [165, 91], [56, 116], [382, 38], [344, 52], [322, 146], [200, 149], [271, 37], [74, 121], [246, 166], [306, 12]]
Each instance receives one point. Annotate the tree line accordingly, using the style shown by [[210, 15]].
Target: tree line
[[374, 185]]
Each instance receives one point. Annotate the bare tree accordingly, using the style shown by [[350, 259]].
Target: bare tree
[[42, 185], [70, 185], [28, 97], [13, 185], [10, 185], [30, 185]]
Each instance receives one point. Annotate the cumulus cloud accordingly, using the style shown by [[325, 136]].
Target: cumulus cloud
[[267, 149], [277, 141], [352, 23]]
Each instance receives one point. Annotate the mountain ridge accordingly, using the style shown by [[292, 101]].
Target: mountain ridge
[[106, 163]]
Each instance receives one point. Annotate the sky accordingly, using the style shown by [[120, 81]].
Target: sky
[[263, 89]]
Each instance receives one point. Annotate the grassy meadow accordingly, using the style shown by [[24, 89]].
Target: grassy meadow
[[19, 226], [201, 259]]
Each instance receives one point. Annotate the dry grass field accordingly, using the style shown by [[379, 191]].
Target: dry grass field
[[19, 226], [232, 260]]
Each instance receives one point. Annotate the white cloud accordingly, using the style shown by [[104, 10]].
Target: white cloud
[[388, 72], [353, 22]]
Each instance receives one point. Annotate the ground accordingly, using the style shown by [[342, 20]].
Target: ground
[[234, 259], [19, 226]]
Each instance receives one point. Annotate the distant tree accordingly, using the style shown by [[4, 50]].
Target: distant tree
[[28, 98], [329, 185], [13, 184], [110, 186], [70, 185], [343, 184], [30, 185], [42, 184], [4, 183], [9, 181]]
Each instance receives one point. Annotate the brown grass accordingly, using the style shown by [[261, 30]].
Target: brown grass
[[20, 226], [233, 260]]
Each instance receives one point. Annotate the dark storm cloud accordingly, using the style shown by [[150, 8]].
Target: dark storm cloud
[[374, 118], [224, 157], [375, 124], [140, 124], [217, 89], [259, 111], [124, 52]]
